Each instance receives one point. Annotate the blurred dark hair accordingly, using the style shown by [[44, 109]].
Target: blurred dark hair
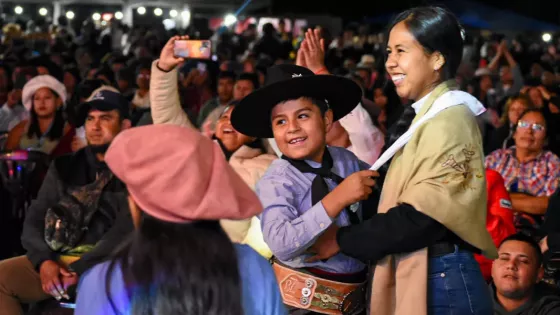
[[268, 29], [143, 65], [106, 72], [437, 30], [226, 75], [75, 72], [252, 77], [125, 74], [179, 268], [82, 91]]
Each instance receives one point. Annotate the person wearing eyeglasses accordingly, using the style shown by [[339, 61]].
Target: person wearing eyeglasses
[[530, 172]]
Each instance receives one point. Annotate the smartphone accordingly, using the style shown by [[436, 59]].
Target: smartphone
[[193, 49]]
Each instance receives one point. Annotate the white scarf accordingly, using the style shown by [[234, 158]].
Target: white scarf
[[446, 100]]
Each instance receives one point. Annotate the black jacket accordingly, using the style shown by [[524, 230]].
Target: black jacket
[[543, 302], [109, 225]]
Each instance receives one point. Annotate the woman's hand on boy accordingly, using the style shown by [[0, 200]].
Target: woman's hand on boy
[[325, 246], [167, 60]]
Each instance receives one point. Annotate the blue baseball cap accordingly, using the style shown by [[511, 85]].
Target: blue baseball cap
[[104, 101]]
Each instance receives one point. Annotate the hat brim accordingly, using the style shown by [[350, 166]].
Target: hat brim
[[252, 116], [84, 108]]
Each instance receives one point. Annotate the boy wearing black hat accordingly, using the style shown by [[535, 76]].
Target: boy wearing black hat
[[304, 194]]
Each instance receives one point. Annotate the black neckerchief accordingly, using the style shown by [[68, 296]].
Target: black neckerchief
[[319, 187]]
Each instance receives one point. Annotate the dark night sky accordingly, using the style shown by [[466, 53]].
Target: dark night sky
[[548, 11]]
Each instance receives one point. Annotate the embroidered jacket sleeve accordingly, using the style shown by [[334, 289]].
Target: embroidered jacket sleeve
[[402, 229], [287, 230]]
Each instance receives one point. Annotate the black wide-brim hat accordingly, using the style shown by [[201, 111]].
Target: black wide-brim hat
[[252, 116]]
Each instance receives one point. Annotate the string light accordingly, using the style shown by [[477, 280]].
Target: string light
[[229, 20]]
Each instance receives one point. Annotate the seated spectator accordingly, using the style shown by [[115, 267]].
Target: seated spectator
[[245, 84], [530, 173], [77, 188], [502, 137], [551, 225], [71, 80], [226, 81], [43, 96], [125, 83], [511, 78], [516, 274], [176, 210], [141, 100], [13, 112]]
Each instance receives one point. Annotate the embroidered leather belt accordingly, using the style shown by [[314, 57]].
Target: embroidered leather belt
[[315, 294]]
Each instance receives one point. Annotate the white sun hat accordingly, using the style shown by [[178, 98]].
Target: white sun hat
[[38, 82]]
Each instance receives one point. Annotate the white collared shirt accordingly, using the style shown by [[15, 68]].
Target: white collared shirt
[[418, 104]]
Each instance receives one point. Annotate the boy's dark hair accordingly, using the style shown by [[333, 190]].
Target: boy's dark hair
[[521, 237]]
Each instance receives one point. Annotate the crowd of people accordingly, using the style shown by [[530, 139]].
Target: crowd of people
[[409, 172]]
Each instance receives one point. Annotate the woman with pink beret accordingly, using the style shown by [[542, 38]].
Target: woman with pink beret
[[179, 260]]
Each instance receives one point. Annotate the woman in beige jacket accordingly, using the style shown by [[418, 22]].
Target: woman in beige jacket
[[249, 162]]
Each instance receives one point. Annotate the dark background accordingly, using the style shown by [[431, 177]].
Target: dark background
[[548, 11]]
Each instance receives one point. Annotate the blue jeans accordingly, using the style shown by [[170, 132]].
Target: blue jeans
[[456, 286]]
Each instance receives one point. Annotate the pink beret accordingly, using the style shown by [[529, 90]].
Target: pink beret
[[176, 174]]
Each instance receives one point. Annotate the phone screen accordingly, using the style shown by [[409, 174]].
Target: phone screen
[[194, 49]]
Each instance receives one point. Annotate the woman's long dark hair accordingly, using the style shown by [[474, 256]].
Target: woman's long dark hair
[[56, 130], [172, 268]]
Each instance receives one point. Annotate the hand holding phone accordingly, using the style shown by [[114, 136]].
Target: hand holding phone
[[193, 49], [167, 59]]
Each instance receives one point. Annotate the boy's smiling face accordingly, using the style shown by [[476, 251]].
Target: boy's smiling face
[[300, 129]]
